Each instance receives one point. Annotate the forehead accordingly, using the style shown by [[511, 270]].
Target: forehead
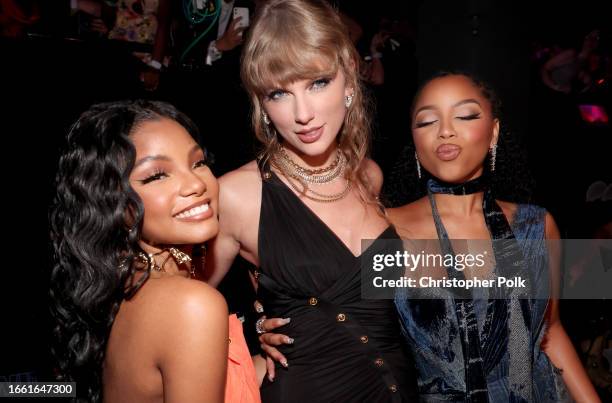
[[161, 136], [289, 74], [448, 90]]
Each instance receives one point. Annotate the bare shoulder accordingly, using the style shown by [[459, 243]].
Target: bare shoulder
[[169, 309], [186, 325], [408, 212], [409, 218], [189, 310], [245, 178], [374, 175], [551, 229], [172, 304], [237, 186]]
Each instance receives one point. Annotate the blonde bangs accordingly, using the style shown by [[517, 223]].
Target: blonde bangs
[[293, 40], [287, 59], [277, 72]]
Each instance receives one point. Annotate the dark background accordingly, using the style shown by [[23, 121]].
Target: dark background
[[49, 76]]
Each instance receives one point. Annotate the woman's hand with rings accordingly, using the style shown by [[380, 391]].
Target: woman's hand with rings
[[269, 341]]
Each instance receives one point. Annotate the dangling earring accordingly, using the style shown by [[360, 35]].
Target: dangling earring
[[265, 118], [179, 256], [418, 164], [348, 100], [270, 132], [493, 151]]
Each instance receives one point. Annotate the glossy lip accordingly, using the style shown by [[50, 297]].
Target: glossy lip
[[448, 152], [310, 135], [198, 217]]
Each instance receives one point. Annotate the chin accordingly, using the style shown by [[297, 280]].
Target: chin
[[314, 150], [198, 234], [455, 179], [205, 234], [456, 174]]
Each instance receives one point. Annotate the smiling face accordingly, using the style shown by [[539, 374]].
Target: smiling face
[[178, 191], [453, 128], [308, 114]]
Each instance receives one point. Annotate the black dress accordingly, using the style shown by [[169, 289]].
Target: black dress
[[346, 349]]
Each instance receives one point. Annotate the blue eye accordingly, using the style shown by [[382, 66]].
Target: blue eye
[[276, 94], [320, 83]]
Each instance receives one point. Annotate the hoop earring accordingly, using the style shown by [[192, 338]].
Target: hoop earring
[[493, 151], [348, 100], [418, 164]]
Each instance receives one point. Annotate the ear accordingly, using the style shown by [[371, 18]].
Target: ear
[[350, 71], [495, 137], [349, 87]]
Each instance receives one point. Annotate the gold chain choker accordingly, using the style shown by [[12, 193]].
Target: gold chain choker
[[296, 174]]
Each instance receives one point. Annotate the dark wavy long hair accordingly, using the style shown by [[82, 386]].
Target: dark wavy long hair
[[95, 220], [512, 180]]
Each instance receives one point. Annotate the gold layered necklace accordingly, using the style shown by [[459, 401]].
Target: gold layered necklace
[[298, 175]]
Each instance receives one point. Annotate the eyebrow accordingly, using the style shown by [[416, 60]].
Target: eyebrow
[[158, 157], [151, 158], [467, 101], [462, 102]]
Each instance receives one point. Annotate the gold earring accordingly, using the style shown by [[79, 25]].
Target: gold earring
[[179, 256]]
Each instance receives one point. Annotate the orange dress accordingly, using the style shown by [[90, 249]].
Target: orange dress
[[242, 385]]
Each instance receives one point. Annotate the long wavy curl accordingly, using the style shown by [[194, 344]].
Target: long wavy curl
[[95, 221], [292, 40]]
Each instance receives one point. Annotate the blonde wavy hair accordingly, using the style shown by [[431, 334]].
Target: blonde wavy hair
[[293, 40]]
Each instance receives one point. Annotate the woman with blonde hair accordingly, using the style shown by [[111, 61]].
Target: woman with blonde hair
[[300, 212]]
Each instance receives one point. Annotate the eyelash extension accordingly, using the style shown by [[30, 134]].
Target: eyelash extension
[[200, 163], [316, 84], [321, 82], [272, 95], [470, 117], [156, 176], [423, 124]]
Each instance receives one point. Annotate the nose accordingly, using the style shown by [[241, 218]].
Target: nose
[[304, 112], [446, 129], [193, 185]]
